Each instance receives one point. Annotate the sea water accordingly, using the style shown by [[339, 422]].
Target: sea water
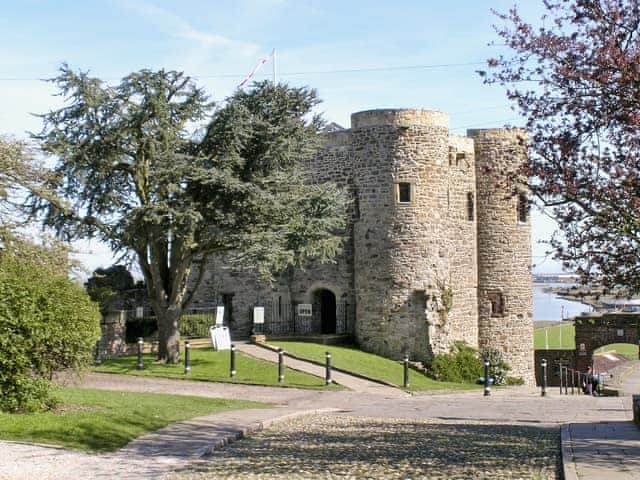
[[548, 306]]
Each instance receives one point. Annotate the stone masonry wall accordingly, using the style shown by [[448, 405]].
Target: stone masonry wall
[[461, 244], [504, 251], [403, 250]]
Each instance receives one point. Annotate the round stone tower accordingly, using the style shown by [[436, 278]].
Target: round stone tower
[[505, 299], [401, 270]]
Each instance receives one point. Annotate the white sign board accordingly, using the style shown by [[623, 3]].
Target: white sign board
[[305, 310], [258, 315], [219, 315], [139, 312], [220, 337], [620, 332]]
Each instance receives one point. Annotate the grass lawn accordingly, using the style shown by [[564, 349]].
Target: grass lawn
[[104, 421], [353, 360], [212, 366], [554, 333], [627, 350]]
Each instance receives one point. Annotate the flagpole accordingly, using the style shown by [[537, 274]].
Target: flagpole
[[273, 61]]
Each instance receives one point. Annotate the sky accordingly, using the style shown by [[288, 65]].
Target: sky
[[359, 55]]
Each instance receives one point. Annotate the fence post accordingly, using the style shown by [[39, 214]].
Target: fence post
[[406, 370], [327, 368], [543, 393], [140, 365], [572, 383], [233, 361], [187, 358], [487, 387], [560, 366], [280, 365]]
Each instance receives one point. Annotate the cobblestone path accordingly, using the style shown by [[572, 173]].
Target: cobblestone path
[[331, 446]]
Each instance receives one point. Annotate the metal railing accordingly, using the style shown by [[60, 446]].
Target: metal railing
[[285, 319]]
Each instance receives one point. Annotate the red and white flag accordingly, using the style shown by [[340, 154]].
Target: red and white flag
[[257, 67]]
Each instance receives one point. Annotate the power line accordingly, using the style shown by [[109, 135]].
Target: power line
[[485, 123], [292, 74]]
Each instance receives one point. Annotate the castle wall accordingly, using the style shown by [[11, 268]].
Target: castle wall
[[401, 261], [332, 164], [504, 252], [461, 244]]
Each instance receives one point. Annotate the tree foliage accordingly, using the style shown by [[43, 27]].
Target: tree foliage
[[20, 174], [152, 168], [576, 80], [106, 284], [47, 323]]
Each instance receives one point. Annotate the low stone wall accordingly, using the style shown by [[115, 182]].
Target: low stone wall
[[112, 343]]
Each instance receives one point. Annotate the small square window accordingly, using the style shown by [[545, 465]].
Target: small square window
[[404, 192]]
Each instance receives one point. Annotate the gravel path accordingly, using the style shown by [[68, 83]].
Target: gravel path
[[355, 447]]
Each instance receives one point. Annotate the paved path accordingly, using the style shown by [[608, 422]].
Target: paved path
[[605, 448], [352, 383]]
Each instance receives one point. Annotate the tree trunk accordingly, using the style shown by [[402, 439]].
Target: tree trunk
[[169, 334]]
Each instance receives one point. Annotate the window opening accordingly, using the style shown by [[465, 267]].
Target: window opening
[[523, 208], [470, 207], [404, 192], [497, 304]]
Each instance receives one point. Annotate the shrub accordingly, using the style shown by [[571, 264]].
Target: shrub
[[47, 323], [462, 365], [498, 367], [196, 324]]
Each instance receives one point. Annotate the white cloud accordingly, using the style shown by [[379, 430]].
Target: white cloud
[[177, 26]]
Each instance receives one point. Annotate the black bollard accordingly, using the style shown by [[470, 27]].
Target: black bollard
[[406, 370], [187, 358], [233, 360], [566, 380], [543, 393], [487, 387], [327, 369], [280, 365], [140, 365], [96, 359]]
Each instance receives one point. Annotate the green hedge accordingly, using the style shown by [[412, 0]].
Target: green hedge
[[196, 324], [47, 323]]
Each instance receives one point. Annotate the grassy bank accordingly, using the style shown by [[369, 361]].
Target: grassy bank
[[212, 366], [367, 364], [104, 421]]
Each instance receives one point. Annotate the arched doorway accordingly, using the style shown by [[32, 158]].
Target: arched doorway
[[327, 303]]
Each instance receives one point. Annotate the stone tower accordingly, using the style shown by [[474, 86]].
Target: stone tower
[[505, 308], [405, 269]]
